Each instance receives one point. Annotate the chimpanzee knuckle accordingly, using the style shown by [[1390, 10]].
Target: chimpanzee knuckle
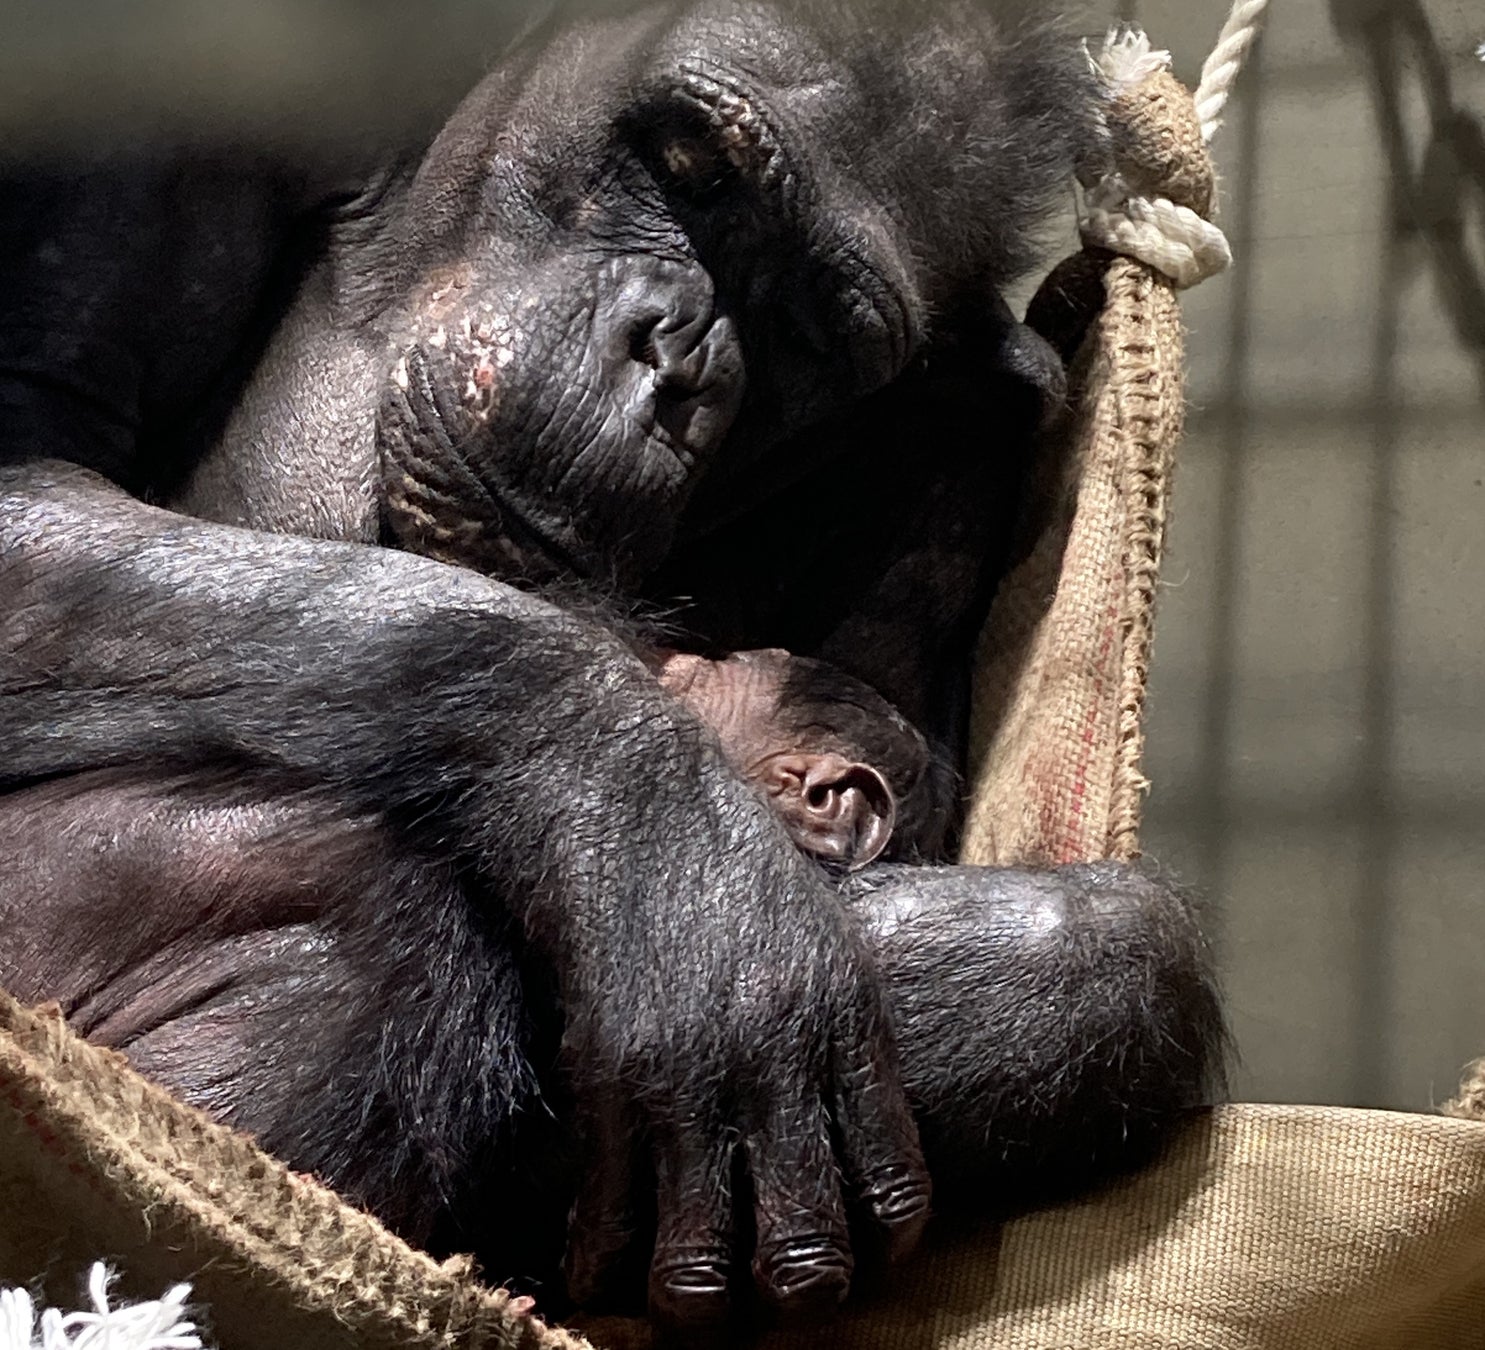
[[880, 1149], [598, 1257], [802, 1263], [807, 1275], [691, 1268]]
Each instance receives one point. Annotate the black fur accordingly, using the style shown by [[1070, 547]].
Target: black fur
[[1064, 964], [522, 348], [306, 976]]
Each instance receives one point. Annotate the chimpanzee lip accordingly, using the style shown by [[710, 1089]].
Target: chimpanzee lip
[[560, 545], [427, 440]]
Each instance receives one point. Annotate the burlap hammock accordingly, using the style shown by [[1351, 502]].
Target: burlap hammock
[[1263, 1227]]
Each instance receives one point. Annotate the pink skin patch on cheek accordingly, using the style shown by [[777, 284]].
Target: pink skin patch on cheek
[[489, 343], [479, 388]]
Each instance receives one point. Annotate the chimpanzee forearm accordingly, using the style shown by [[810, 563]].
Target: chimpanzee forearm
[[162, 637], [292, 967], [940, 556], [1053, 1024]]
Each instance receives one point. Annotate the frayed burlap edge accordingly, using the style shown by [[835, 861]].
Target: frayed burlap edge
[[1064, 660], [89, 1145], [1469, 1104]]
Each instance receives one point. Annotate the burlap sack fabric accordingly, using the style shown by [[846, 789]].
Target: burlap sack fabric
[[1064, 661], [1264, 1228]]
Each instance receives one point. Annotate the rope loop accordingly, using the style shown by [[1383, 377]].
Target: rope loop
[[1172, 239], [1153, 205]]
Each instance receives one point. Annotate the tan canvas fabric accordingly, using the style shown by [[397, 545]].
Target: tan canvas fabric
[[1056, 734], [1267, 1228], [96, 1163], [1060, 688]]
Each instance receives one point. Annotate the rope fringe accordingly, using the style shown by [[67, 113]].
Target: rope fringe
[[1127, 58], [159, 1325]]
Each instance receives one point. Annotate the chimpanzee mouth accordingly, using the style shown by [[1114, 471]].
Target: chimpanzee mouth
[[530, 552]]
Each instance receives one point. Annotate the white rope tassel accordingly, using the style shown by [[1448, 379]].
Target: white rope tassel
[[1128, 58], [1172, 239], [160, 1325]]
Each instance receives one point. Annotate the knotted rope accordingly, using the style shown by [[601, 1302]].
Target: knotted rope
[[1153, 204]]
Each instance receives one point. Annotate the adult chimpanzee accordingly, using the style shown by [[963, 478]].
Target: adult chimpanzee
[[659, 280]]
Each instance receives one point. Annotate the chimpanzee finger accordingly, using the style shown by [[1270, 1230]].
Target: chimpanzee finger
[[802, 1258], [878, 1138], [690, 1272], [600, 1228]]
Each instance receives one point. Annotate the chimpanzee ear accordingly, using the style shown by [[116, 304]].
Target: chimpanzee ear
[[834, 808]]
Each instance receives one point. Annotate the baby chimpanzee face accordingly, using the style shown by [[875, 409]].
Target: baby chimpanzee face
[[849, 777]]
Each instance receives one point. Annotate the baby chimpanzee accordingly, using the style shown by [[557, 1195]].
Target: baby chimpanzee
[[850, 778]]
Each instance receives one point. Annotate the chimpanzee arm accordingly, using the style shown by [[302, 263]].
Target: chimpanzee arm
[[1053, 1024], [292, 967], [715, 993], [964, 426]]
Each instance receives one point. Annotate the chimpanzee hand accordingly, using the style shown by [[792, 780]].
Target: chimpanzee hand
[[736, 1027]]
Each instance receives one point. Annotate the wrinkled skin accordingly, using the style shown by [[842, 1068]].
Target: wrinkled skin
[[657, 275]]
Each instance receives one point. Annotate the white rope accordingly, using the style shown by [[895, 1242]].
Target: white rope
[[1172, 239], [1222, 67], [158, 1325]]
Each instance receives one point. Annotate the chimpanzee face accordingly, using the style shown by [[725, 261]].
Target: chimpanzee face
[[654, 248]]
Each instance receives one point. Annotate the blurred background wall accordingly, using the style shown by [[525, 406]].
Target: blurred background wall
[[1317, 717]]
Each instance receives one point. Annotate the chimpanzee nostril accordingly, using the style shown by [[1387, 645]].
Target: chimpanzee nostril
[[670, 356], [673, 345], [642, 345]]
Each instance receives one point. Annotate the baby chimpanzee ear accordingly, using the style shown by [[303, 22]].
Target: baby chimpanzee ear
[[835, 809]]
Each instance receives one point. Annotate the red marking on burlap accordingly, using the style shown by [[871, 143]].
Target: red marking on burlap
[[11, 1091]]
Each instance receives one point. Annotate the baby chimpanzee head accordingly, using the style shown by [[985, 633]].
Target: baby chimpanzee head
[[851, 779]]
